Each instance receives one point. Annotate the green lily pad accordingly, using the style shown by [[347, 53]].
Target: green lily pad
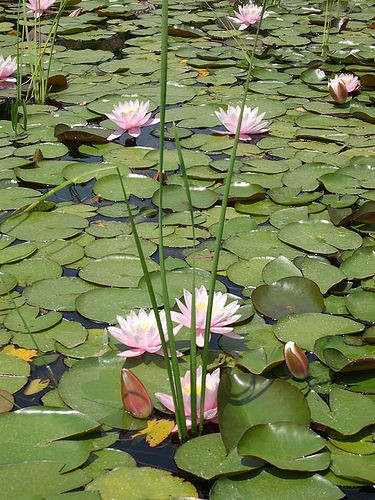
[[286, 445], [39, 478], [40, 433], [174, 197], [56, 294], [109, 186], [361, 304], [103, 304], [342, 414], [30, 270], [16, 253], [258, 352], [248, 273], [7, 282], [306, 328], [360, 264], [245, 400], [263, 485], [294, 294], [342, 356], [28, 319], [279, 268], [116, 270], [206, 457], [13, 198], [43, 226], [139, 483], [321, 272], [358, 467], [60, 251], [319, 236], [14, 373], [261, 242]]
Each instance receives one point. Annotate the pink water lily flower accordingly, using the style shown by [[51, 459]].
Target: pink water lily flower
[[130, 116], [222, 315], [140, 333], [210, 399], [248, 15], [251, 122], [7, 67], [350, 81], [337, 90], [39, 6]]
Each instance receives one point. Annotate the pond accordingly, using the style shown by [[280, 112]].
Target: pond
[[295, 272]]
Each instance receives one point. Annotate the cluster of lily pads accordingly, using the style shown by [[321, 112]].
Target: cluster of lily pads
[[298, 253]]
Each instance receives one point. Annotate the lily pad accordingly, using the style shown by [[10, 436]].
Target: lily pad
[[263, 485], [306, 328], [116, 270], [294, 294], [43, 226], [286, 445], [245, 400], [319, 236], [139, 483], [206, 457], [40, 433]]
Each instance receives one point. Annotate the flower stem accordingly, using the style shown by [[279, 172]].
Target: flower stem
[[220, 230]]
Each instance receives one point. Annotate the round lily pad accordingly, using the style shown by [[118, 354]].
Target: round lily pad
[[306, 328], [43, 226], [116, 270], [293, 294], [319, 236], [139, 483], [30, 270], [56, 294], [28, 319], [7, 282]]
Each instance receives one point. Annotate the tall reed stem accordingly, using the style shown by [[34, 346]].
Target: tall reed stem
[[178, 400], [220, 230]]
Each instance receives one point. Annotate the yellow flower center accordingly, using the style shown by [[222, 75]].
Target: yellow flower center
[[201, 306]]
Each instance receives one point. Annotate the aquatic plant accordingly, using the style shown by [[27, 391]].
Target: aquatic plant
[[134, 395], [350, 81], [7, 67], [38, 7], [222, 314], [296, 360], [130, 116], [248, 15], [140, 332], [251, 122], [210, 400], [337, 90]]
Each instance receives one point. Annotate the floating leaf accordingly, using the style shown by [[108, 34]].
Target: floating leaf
[[140, 482], [156, 431], [285, 445], [25, 354], [36, 385], [286, 296], [207, 458]]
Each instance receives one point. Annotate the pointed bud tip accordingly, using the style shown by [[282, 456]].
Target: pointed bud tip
[[296, 360], [134, 395]]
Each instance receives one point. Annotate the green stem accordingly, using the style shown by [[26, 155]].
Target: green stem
[[193, 329], [178, 401], [220, 230]]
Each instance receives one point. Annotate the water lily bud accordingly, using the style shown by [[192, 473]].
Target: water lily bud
[[296, 360], [337, 90], [134, 395]]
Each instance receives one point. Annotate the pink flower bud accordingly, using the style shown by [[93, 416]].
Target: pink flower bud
[[134, 395], [296, 360], [337, 90], [76, 13]]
